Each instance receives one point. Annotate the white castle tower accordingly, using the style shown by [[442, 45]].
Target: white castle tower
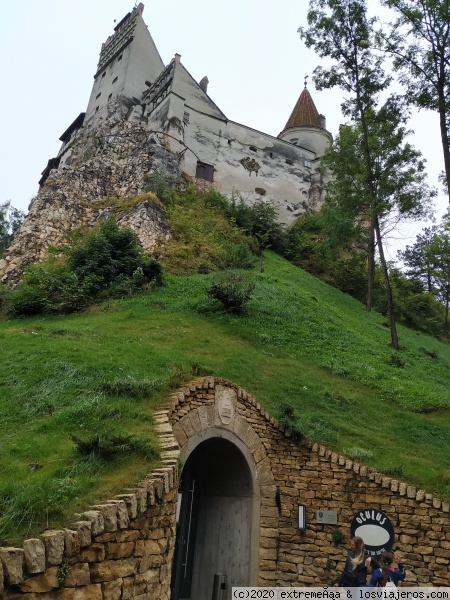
[[128, 63]]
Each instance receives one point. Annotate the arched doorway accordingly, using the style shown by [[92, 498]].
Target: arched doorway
[[214, 521]]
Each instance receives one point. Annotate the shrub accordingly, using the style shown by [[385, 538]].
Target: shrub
[[238, 256], [159, 183], [5, 298], [233, 290], [259, 220], [289, 420], [105, 262], [104, 253], [27, 301]]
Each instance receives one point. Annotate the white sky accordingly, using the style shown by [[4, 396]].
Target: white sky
[[249, 49]]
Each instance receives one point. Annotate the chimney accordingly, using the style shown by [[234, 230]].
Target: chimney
[[204, 84], [322, 122]]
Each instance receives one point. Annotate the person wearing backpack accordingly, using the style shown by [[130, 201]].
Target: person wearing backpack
[[356, 565], [387, 576]]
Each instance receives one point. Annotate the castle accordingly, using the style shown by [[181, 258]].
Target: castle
[[139, 107]]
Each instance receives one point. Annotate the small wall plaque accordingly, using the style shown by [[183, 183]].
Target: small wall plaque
[[326, 517]]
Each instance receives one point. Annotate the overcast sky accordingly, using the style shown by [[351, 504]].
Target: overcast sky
[[249, 49]]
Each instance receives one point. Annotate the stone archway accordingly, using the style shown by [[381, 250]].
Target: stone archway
[[227, 476]]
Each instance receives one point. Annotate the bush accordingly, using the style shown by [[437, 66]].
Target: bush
[[5, 298], [289, 420], [27, 301], [105, 262], [159, 183], [104, 253], [233, 290], [259, 220], [238, 256]]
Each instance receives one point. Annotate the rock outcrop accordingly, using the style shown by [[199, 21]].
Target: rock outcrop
[[110, 159]]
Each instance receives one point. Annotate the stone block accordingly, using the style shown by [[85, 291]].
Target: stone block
[[88, 592], [78, 575], [71, 542], [123, 519], [131, 504], [97, 521], [186, 425], [112, 590], [128, 588], [54, 546], [84, 529], [117, 550], [41, 583], [34, 554], [109, 512], [150, 562], [108, 570], [12, 560], [203, 417], [164, 476], [95, 553]]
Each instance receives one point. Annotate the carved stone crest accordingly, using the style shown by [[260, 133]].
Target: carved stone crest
[[225, 404]]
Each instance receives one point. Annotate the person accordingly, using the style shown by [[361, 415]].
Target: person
[[387, 573], [356, 565]]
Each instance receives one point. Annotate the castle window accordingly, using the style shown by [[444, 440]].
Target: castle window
[[120, 58], [308, 164], [115, 79], [186, 118], [96, 108], [98, 96], [104, 73], [204, 171], [109, 97], [294, 141], [289, 161], [252, 148]]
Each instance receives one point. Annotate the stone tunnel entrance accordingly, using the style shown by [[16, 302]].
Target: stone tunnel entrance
[[214, 521]]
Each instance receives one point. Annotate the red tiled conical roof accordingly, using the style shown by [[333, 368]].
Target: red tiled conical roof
[[305, 113]]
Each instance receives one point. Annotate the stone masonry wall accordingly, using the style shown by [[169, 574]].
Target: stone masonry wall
[[120, 549], [301, 473]]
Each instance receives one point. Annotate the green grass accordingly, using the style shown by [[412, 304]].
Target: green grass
[[301, 342]]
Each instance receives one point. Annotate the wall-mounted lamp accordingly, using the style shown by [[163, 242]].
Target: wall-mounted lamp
[[302, 518]]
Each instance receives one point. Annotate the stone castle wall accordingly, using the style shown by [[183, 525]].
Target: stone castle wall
[[123, 548]]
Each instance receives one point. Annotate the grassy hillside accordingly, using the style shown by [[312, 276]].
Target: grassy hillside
[[74, 388]]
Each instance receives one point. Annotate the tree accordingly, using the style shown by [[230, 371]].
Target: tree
[[419, 42], [416, 258], [10, 220], [429, 260], [377, 175], [439, 253]]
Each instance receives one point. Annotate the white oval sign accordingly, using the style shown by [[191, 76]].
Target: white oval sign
[[373, 535], [375, 528]]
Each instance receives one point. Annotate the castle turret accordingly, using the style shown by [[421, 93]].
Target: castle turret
[[129, 62], [306, 127]]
